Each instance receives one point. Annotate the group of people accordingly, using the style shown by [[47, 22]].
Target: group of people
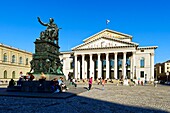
[[28, 77], [101, 81], [58, 85]]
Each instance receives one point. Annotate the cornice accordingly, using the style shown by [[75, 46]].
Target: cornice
[[103, 48], [147, 47]]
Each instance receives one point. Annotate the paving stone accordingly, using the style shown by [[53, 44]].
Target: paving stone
[[113, 99]]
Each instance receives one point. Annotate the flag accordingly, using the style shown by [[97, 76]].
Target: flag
[[107, 22]]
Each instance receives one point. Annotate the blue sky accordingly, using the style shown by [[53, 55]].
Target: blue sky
[[148, 21]]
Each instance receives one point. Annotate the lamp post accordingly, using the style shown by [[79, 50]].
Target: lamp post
[[132, 75], [167, 74]]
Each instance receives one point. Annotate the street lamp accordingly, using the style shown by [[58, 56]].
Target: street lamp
[[167, 74]]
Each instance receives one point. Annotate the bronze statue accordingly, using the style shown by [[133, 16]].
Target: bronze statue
[[46, 58], [52, 30]]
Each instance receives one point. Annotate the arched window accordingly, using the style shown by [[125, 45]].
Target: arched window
[[20, 60], [26, 61], [5, 74], [13, 58], [5, 57], [13, 74], [142, 62]]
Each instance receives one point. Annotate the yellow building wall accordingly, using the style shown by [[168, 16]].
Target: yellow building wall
[[13, 67]]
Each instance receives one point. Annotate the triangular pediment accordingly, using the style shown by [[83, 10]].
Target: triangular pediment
[[103, 42], [109, 33]]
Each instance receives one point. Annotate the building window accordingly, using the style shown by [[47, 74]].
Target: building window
[[128, 63], [20, 60], [142, 50], [96, 64], [120, 63], [111, 63], [13, 74], [104, 64], [26, 61], [5, 57], [13, 58], [5, 74], [142, 74], [142, 62], [72, 65]]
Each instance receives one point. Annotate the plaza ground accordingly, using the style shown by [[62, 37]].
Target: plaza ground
[[113, 99]]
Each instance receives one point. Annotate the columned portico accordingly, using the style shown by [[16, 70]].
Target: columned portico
[[88, 68], [113, 55]]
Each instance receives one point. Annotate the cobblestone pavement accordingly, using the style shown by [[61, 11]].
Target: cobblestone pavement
[[113, 99]]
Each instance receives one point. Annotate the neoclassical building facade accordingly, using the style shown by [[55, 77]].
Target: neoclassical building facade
[[111, 55], [12, 62]]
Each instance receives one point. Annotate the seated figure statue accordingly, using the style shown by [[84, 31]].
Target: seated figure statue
[[52, 29]]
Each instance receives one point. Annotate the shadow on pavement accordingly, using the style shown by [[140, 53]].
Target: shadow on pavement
[[66, 102]]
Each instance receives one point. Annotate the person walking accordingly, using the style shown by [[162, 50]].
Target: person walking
[[103, 83], [90, 83]]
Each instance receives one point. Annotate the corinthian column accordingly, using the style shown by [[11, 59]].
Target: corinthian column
[[99, 66], [124, 64], [83, 66], [75, 68], [107, 65], [115, 65], [79, 70], [91, 66], [134, 65]]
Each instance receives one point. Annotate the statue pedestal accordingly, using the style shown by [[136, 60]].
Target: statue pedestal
[[49, 76]]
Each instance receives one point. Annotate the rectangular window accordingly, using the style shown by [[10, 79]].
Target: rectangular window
[[142, 50], [142, 74], [104, 64], [96, 64], [142, 63], [120, 63], [71, 65], [111, 63]]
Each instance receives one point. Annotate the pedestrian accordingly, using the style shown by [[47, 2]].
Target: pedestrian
[[103, 83], [11, 83], [74, 82], [90, 83]]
